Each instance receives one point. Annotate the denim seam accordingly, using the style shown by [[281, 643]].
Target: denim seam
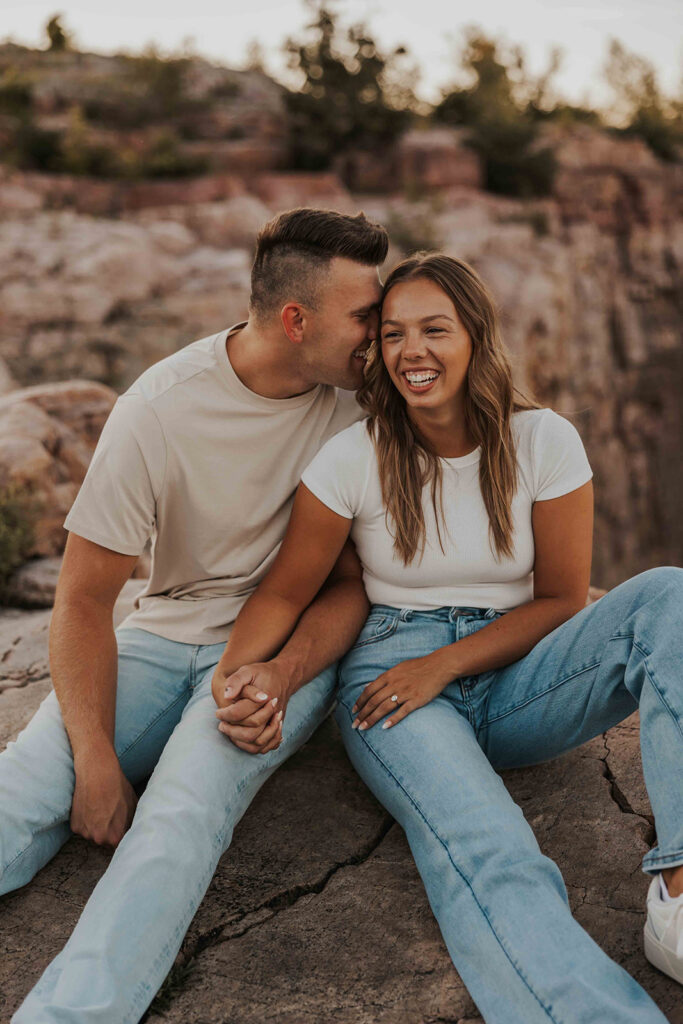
[[152, 723], [458, 870], [665, 859], [542, 693], [389, 631], [645, 654]]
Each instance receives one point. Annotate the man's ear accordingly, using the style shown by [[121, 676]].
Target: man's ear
[[293, 316]]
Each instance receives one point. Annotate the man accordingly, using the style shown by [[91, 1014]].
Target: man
[[202, 454]]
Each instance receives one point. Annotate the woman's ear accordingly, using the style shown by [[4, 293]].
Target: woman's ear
[[292, 317]]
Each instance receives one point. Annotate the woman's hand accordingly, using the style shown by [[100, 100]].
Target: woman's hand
[[414, 683], [253, 716]]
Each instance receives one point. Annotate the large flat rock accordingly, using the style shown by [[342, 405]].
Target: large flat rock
[[317, 914]]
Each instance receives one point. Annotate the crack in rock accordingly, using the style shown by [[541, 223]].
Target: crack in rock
[[227, 932], [621, 800]]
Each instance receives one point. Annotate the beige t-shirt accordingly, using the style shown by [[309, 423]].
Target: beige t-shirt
[[207, 468]]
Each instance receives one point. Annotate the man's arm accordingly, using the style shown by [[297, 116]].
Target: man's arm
[[325, 632], [84, 666]]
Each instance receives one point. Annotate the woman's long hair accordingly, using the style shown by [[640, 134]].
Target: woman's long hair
[[406, 461]]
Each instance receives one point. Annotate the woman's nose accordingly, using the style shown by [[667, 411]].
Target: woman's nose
[[414, 346]]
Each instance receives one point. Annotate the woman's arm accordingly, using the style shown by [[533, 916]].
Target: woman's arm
[[563, 530], [311, 547]]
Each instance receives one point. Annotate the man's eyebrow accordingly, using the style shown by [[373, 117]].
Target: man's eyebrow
[[364, 309], [424, 320]]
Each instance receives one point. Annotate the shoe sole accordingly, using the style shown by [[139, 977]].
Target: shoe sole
[[662, 958]]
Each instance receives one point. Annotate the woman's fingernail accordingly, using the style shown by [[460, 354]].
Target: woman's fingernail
[[228, 691], [261, 696], [387, 725], [363, 725], [274, 701], [354, 708], [355, 724], [279, 715]]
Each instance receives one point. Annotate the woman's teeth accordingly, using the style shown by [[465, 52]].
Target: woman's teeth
[[417, 380]]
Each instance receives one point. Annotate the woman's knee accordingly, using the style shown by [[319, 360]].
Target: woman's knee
[[660, 588]]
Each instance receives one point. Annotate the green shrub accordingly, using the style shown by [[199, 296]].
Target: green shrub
[[353, 95], [163, 158], [640, 106], [18, 513], [501, 110], [16, 94]]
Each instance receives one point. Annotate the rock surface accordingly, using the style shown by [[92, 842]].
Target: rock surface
[[47, 437], [321, 918]]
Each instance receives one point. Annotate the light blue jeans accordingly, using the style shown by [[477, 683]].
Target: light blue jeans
[[501, 905], [133, 924]]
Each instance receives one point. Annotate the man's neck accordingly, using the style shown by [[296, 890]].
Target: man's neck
[[266, 363]]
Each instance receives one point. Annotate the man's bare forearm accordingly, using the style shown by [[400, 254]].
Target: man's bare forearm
[[325, 632], [84, 666]]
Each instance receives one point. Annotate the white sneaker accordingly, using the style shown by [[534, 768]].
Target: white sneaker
[[664, 932]]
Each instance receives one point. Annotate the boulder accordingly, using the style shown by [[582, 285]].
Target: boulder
[[47, 436]]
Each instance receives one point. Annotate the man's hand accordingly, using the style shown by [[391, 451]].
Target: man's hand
[[104, 801], [255, 702]]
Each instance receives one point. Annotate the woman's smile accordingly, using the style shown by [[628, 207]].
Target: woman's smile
[[420, 381]]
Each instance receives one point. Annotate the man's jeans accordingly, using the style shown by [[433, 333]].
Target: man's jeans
[[501, 905], [133, 924]]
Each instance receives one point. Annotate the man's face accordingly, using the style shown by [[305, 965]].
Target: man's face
[[339, 332]]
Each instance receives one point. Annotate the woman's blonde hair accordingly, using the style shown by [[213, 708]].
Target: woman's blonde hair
[[406, 461]]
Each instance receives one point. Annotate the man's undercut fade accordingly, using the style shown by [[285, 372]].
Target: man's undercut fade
[[295, 249]]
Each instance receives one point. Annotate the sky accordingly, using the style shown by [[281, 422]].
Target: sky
[[221, 30]]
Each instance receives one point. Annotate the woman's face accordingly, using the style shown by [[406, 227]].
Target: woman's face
[[425, 347]]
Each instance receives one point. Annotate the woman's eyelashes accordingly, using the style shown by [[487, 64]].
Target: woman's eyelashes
[[395, 335]]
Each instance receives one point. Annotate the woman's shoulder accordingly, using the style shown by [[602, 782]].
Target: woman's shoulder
[[351, 438], [533, 427]]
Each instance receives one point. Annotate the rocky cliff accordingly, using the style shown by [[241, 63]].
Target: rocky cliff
[[588, 283]]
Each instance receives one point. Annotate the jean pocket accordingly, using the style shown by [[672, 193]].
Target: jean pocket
[[378, 626]]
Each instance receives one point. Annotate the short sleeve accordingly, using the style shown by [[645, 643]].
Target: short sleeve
[[560, 461], [116, 505], [339, 472]]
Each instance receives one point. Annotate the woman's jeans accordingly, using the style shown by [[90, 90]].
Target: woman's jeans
[[133, 924], [501, 905]]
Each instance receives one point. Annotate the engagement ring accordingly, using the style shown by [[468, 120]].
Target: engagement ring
[[394, 698]]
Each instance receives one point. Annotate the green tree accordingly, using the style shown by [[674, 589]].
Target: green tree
[[57, 36], [501, 107], [352, 93], [639, 104]]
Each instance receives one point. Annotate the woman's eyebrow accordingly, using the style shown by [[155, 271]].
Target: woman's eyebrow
[[434, 316]]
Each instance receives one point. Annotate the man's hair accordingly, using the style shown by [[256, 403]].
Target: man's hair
[[294, 251]]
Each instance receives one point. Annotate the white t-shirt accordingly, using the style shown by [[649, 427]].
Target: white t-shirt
[[344, 475], [207, 468]]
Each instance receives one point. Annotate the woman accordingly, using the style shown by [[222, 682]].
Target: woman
[[471, 510]]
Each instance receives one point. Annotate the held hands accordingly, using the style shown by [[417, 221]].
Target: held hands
[[251, 706], [414, 683]]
